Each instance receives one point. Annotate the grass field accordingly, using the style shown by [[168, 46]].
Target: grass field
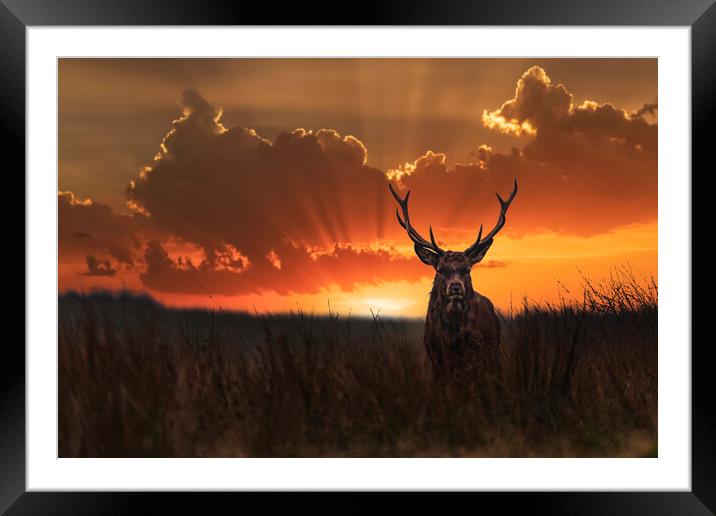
[[139, 380]]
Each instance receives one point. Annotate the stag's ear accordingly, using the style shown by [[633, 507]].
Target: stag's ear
[[478, 254], [426, 256]]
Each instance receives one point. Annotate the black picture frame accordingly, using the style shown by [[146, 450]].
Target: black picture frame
[[17, 15]]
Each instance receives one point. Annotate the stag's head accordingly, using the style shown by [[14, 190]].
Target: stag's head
[[452, 278]]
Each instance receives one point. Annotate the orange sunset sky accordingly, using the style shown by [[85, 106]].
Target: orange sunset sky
[[263, 183]]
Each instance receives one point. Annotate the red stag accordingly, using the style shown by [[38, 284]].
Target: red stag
[[461, 324]]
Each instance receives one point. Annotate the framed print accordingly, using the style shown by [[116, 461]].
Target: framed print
[[392, 256]]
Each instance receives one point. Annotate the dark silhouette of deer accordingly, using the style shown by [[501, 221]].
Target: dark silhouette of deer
[[462, 329]]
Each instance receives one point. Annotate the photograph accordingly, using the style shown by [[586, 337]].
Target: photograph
[[357, 257], [270, 251]]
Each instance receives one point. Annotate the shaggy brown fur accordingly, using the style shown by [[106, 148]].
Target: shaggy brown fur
[[461, 327]]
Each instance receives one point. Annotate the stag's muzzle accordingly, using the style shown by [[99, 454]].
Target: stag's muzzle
[[456, 289]]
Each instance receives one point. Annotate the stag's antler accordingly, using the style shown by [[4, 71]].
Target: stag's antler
[[487, 241], [414, 235]]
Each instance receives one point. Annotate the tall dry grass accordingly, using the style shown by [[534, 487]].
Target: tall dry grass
[[139, 380]]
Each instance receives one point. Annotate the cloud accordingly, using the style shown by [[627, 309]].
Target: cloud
[[646, 109], [88, 227], [547, 111], [583, 170], [216, 186], [537, 104], [96, 267], [494, 264], [293, 269]]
